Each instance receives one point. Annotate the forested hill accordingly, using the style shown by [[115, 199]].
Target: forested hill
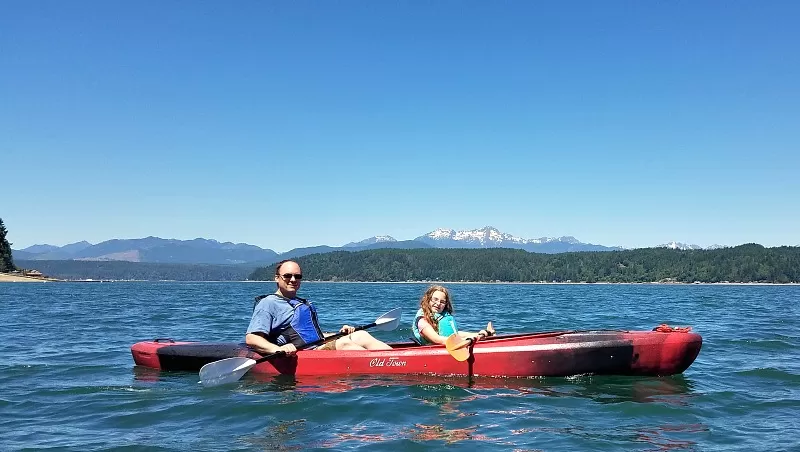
[[141, 271], [745, 263]]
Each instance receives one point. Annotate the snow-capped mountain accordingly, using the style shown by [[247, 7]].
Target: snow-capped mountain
[[371, 241], [680, 246], [684, 246], [487, 237], [490, 237]]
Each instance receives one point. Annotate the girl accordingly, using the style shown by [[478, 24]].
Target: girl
[[434, 321]]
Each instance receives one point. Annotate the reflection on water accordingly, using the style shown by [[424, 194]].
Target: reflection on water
[[141, 373], [674, 390], [451, 403], [418, 433], [356, 435], [149, 375], [422, 432], [659, 436], [458, 400], [280, 436]]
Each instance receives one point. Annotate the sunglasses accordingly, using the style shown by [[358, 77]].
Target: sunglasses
[[288, 276]]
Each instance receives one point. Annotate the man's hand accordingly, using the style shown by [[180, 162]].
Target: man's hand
[[347, 329], [289, 349]]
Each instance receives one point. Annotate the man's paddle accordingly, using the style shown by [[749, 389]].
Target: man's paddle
[[230, 370], [458, 348]]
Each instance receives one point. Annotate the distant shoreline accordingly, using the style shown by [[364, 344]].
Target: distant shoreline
[[6, 277]]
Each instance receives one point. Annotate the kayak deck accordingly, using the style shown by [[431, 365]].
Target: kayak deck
[[559, 353]]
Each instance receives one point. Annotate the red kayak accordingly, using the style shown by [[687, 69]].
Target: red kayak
[[664, 351]]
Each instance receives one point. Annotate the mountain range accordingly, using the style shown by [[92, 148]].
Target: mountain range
[[205, 251], [684, 246]]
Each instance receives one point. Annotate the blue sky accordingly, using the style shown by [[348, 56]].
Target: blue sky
[[287, 124]]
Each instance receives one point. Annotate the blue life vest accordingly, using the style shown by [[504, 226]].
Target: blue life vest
[[303, 327], [445, 321]]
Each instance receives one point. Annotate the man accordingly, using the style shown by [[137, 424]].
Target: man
[[282, 321]]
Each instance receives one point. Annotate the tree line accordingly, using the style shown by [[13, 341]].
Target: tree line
[[742, 264], [6, 257], [138, 271]]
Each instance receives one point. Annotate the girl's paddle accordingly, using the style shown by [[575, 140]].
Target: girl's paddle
[[230, 370]]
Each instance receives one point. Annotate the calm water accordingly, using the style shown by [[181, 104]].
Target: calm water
[[67, 380]]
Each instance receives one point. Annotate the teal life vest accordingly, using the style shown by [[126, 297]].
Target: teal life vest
[[445, 321]]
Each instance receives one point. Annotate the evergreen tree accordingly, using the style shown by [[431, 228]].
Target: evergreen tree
[[6, 260]]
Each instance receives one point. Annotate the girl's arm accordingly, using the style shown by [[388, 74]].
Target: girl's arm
[[489, 331], [427, 331]]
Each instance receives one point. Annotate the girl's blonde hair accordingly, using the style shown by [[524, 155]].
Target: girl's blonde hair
[[425, 304]]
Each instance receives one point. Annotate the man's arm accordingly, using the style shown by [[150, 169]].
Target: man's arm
[[261, 324], [263, 346]]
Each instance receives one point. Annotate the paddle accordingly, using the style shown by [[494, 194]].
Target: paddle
[[230, 370], [458, 348]]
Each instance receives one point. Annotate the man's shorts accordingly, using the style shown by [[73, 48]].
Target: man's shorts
[[327, 346]]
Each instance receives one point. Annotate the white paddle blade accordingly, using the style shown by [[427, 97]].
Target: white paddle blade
[[389, 321], [225, 371]]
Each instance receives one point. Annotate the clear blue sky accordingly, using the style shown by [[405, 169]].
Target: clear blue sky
[[286, 124]]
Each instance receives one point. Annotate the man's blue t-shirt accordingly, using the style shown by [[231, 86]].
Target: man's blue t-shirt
[[272, 314]]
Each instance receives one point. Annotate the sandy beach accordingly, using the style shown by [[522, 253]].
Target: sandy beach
[[6, 277]]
